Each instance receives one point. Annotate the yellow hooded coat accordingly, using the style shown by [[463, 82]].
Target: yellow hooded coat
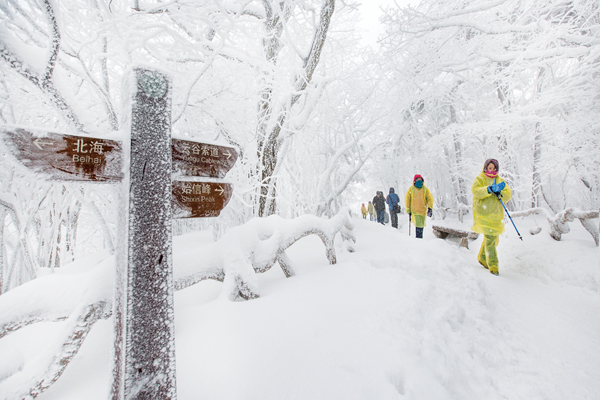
[[488, 213], [417, 201]]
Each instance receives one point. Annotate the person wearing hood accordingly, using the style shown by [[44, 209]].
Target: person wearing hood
[[393, 202], [379, 204], [419, 204], [371, 211], [363, 211], [488, 213]]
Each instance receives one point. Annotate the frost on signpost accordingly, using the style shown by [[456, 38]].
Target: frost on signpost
[[145, 343]]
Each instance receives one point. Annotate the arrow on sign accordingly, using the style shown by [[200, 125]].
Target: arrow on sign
[[191, 158], [39, 143], [65, 157], [194, 199]]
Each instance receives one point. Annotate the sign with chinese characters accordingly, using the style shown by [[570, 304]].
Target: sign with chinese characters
[[193, 199], [201, 159], [66, 157]]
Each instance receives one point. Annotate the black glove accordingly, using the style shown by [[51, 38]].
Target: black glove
[[409, 214], [429, 212]]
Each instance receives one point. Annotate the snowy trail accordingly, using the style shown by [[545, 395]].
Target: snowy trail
[[400, 318], [558, 326]]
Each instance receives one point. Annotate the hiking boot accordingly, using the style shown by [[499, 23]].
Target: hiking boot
[[494, 273]]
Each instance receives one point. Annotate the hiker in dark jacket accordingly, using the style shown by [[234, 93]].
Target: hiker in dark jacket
[[393, 202], [379, 204]]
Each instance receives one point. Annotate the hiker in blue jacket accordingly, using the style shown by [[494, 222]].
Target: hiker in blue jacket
[[393, 202]]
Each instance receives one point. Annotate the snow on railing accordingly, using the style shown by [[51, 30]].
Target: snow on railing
[[463, 210], [255, 247], [80, 300], [559, 222]]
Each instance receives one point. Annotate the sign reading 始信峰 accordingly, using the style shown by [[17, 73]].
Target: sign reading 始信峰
[[192, 199]]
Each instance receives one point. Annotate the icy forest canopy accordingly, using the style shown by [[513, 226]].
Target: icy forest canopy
[[315, 114]]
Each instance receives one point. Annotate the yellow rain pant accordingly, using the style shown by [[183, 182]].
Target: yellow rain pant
[[488, 256]]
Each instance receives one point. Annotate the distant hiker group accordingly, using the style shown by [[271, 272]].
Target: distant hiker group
[[489, 194], [419, 205]]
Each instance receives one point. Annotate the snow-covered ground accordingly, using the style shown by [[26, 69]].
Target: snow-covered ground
[[399, 318]]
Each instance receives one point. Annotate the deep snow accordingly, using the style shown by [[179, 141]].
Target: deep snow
[[400, 318]]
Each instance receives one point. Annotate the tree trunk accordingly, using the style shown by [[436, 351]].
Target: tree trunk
[[537, 176], [459, 189], [270, 126], [2, 253]]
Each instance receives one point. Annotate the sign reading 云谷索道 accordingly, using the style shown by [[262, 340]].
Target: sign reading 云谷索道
[[192, 158]]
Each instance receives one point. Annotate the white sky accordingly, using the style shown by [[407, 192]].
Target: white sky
[[371, 12]]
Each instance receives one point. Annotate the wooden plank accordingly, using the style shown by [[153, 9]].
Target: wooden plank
[[192, 199], [439, 234], [191, 158], [442, 232], [62, 157], [456, 232]]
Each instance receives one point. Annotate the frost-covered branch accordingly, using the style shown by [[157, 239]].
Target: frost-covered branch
[[44, 81], [54, 363], [312, 60], [79, 300]]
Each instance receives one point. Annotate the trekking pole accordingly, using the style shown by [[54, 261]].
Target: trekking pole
[[509, 217], [409, 222]]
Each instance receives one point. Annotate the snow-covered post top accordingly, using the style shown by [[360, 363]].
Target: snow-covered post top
[[145, 332]]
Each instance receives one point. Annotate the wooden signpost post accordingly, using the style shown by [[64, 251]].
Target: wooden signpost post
[[144, 359]]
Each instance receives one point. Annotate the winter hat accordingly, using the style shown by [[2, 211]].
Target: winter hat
[[417, 176], [491, 160]]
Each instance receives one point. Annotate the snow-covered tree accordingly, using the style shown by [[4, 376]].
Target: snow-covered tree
[[508, 79]]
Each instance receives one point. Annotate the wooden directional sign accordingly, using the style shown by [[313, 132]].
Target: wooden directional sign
[[66, 157], [199, 199], [201, 159]]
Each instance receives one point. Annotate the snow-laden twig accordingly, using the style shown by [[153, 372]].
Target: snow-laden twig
[[255, 247]]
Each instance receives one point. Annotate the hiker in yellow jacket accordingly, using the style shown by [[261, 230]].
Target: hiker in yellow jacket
[[488, 212], [371, 211], [363, 211], [419, 204]]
